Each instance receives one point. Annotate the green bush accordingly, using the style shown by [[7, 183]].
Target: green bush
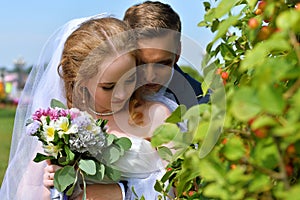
[[245, 144]]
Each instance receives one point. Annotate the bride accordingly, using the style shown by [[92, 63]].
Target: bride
[[90, 64]]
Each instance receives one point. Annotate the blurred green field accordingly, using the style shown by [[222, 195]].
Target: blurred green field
[[7, 115]]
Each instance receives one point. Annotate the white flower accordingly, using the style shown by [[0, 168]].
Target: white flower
[[48, 133], [64, 127], [52, 150], [33, 127]]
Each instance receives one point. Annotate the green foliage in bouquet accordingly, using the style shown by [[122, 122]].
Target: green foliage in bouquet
[[77, 142], [255, 58]]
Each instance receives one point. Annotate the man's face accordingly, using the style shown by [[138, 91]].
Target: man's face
[[156, 56]]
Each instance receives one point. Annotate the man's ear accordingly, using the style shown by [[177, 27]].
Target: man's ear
[[178, 52]]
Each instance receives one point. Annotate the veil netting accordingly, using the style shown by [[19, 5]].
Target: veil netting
[[24, 178]]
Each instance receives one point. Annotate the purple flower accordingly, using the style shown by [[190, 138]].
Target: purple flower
[[38, 114], [33, 127], [82, 121]]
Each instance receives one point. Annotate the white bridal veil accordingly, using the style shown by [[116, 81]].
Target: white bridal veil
[[23, 178]]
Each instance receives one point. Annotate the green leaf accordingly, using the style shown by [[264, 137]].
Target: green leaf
[[69, 192], [238, 176], [289, 20], [225, 25], [216, 191], [113, 174], [263, 121], [234, 149], [270, 157], [176, 114], [165, 153], [99, 175], [202, 23], [164, 133], [40, 157], [259, 53], [245, 104], [64, 177], [259, 183], [196, 111], [65, 160], [88, 166], [159, 186], [201, 131], [224, 7], [56, 103], [110, 139], [123, 143], [111, 154], [271, 100]]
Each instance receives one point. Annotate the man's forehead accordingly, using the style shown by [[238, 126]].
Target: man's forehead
[[166, 43], [152, 55]]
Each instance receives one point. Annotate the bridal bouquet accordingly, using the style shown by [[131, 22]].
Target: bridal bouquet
[[80, 144]]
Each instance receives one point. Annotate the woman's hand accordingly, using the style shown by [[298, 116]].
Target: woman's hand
[[49, 172]]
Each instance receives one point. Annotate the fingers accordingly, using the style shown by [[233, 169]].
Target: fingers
[[48, 179], [49, 172]]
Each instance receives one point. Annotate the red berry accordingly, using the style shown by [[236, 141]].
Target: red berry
[[262, 5], [291, 149], [258, 11], [297, 6], [260, 133], [169, 169], [289, 170], [250, 122], [219, 71], [191, 193], [264, 33], [232, 166], [224, 75], [224, 141], [253, 23]]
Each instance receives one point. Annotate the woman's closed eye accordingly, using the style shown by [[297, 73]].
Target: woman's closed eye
[[109, 86]]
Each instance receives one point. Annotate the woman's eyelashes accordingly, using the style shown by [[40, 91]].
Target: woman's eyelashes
[[108, 86]]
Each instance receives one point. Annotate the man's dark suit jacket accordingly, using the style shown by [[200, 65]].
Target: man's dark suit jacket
[[186, 89]]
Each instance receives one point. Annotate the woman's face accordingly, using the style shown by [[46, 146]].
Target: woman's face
[[114, 84]]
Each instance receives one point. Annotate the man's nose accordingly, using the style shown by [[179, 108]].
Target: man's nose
[[149, 73]]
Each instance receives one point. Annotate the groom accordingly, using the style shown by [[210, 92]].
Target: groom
[[158, 29]]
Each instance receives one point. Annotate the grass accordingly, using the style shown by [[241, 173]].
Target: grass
[[7, 115]]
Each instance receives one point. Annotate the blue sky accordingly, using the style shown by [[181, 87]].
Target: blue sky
[[27, 24]]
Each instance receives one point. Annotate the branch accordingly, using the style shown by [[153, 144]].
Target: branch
[[245, 133], [295, 44], [282, 165], [271, 173], [292, 89]]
